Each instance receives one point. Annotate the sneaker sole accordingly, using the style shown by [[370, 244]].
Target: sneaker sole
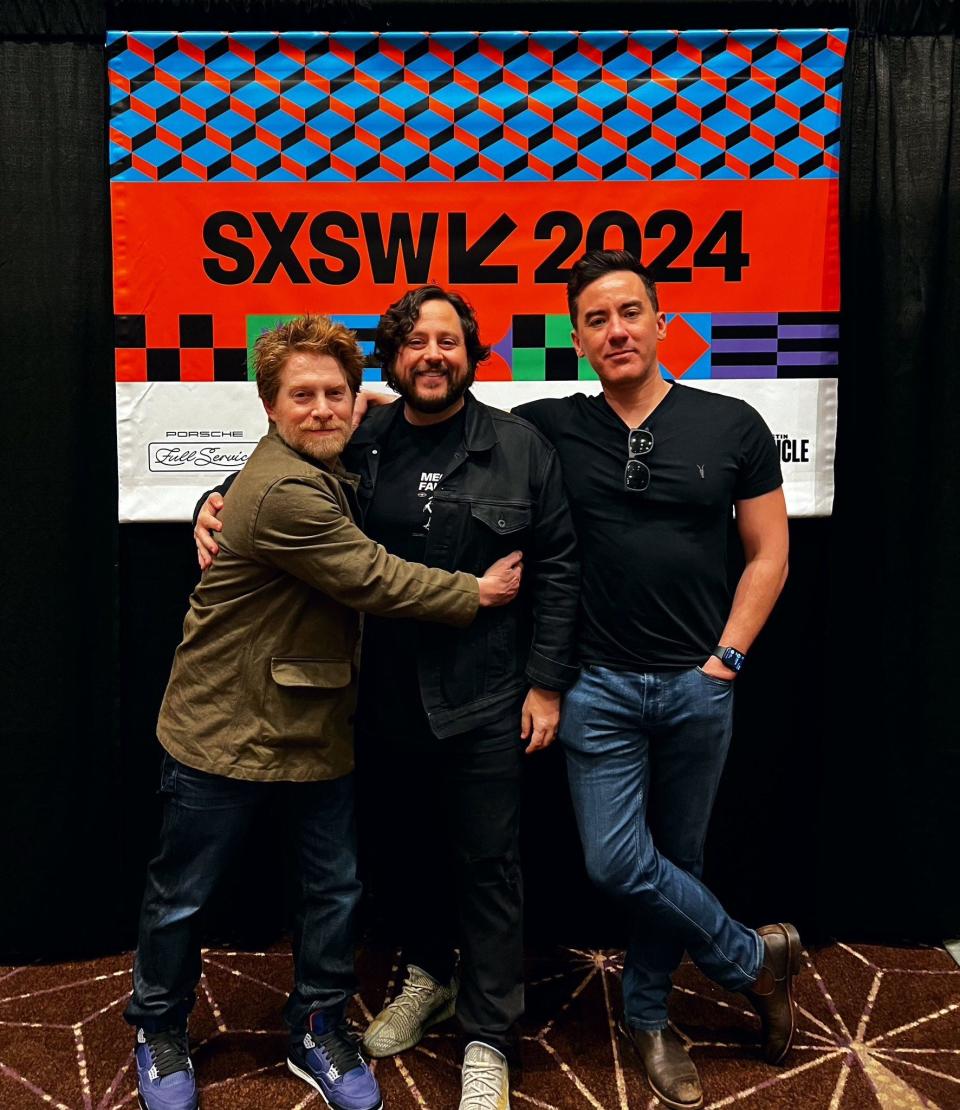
[[435, 1018], [308, 1078], [143, 1105]]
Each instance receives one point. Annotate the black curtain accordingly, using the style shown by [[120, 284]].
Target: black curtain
[[894, 779], [58, 845], [836, 807]]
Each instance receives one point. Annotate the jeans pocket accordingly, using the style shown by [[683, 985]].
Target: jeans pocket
[[168, 774], [724, 683]]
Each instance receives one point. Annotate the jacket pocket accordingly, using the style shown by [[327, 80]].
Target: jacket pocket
[[309, 701], [501, 519], [322, 674]]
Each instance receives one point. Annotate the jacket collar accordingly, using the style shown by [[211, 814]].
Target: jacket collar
[[479, 432]]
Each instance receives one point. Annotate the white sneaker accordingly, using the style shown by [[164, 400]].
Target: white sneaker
[[401, 1023], [486, 1079]]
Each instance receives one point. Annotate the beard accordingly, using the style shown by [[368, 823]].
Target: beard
[[321, 448], [407, 388]]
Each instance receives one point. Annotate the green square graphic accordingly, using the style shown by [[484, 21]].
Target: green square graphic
[[256, 326], [557, 331], [529, 364], [585, 372]]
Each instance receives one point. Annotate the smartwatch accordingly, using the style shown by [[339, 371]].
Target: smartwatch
[[730, 657]]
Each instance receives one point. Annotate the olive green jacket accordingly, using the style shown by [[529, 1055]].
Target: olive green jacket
[[263, 684]]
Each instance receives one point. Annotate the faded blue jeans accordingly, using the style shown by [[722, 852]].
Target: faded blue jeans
[[644, 756], [205, 820]]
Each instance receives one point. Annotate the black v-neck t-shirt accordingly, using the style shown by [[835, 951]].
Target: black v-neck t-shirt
[[654, 592]]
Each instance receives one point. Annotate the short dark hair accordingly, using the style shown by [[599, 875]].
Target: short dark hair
[[594, 264], [401, 317]]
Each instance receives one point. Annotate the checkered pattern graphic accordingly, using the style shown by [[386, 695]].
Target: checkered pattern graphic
[[698, 345], [540, 350], [536, 348], [193, 358], [492, 106], [196, 358]]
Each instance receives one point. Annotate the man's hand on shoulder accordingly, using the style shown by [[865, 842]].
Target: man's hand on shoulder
[[368, 399], [208, 523], [539, 718]]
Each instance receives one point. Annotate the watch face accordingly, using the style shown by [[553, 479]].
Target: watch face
[[733, 659]]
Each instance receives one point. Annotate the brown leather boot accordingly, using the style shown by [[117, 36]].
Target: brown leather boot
[[670, 1071], [772, 994]]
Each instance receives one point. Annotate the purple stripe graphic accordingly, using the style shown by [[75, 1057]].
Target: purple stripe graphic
[[733, 345], [744, 319], [744, 372], [807, 358], [808, 331]]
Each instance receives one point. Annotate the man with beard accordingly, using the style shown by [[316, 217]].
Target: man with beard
[[261, 699], [443, 717]]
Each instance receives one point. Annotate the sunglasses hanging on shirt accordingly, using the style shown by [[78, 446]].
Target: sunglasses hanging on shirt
[[636, 474]]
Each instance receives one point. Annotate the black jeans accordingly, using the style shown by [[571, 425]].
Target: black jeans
[[441, 818], [205, 818]]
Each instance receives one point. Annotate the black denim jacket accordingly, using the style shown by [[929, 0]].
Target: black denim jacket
[[503, 491]]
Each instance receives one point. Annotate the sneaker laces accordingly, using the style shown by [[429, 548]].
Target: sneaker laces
[[481, 1086], [169, 1051], [413, 997], [340, 1049]]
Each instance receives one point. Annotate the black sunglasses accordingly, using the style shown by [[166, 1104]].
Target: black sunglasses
[[636, 474]]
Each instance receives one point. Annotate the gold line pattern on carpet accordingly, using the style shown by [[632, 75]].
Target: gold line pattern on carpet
[[879, 1027]]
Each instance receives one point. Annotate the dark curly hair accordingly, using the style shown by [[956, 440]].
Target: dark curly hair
[[401, 317], [597, 263]]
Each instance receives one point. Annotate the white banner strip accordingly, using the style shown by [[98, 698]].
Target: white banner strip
[[177, 439]]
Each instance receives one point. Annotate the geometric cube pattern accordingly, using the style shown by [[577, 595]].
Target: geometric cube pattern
[[878, 1028], [468, 106]]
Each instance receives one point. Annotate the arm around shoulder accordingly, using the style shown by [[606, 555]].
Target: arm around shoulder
[[303, 529]]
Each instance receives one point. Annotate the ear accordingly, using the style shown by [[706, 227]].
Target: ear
[[661, 325], [575, 339], [268, 409]]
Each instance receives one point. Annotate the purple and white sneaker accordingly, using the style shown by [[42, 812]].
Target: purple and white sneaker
[[325, 1055], [165, 1079]]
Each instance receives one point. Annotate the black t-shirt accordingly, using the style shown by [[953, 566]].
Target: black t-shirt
[[413, 460], [654, 590]]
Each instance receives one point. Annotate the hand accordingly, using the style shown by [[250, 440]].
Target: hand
[[501, 581], [716, 669], [539, 718], [365, 400], [208, 522]]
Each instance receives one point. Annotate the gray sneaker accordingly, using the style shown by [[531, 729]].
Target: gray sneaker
[[486, 1079], [401, 1023]]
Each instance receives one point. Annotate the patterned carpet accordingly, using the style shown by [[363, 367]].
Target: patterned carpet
[[880, 1027]]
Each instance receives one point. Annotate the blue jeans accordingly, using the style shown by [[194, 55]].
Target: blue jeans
[[644, 757], [205, 819]]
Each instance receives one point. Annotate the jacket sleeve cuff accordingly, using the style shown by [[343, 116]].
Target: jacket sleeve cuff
[[549, 673]]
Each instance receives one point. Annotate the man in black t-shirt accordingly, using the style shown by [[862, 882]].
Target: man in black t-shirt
[[443, 720], [653, 471]]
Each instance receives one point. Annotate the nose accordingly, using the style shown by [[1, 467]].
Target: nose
[[616, 331], [432, 353], [321, 409]]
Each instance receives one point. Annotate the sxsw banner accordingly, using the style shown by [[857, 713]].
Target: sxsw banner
[[259, 176]]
